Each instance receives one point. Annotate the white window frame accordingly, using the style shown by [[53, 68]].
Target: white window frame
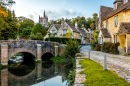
[[53, 31], [64, 31]]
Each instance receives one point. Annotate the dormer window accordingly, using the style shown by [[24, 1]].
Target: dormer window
[[115, 6]]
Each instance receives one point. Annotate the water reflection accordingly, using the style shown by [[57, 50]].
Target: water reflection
[[41, 74]]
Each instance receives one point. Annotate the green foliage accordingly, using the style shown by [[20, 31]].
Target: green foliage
[[26, 32], [93, 47], [72, 47], [71, 77], [96, 76], [3, 66], [38, 36], [19, 54], [10, 30], [38, 28], [98, 47], [61, 60], [96, 35], [60, 40], [25, 23], [109, 47]]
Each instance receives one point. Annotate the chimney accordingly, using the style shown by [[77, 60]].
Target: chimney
[[82, 26], [76, 26]]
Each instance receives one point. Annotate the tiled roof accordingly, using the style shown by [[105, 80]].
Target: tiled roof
[[73, 27], [83, 32], [105, 33], [104, 11], [119, 9], [124, 27], [57, 26]]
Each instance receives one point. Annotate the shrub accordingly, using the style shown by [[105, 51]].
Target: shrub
[[98, 47], [60, 40], [93, 47], [38, 36], [109, 47], [72, 47]]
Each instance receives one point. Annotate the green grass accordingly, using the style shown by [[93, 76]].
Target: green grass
[[96, 76]]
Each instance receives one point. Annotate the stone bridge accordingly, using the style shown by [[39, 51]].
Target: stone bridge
[[35, 48]]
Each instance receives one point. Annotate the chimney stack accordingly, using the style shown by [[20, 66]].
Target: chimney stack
[[82, 26], [76, 26]]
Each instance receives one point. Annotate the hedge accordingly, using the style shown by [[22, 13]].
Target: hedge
[[60, 40], [109, 47]]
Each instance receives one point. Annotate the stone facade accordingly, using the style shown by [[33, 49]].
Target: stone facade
[[113, 23]]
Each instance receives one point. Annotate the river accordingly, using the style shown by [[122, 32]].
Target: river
[[35, 74]]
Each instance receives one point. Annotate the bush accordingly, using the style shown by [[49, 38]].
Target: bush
[[38, 36], [72, 47], [98, 47], [61, 60], [109, 47], [93, 47], [60, 40], [71, 77]]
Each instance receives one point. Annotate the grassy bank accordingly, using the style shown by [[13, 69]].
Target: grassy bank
[[96, 76]]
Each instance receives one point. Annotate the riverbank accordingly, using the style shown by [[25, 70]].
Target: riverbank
[[96, 76]]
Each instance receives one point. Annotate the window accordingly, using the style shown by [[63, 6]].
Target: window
[[64, 31], [107, 24], [116, 20], [53, 31]]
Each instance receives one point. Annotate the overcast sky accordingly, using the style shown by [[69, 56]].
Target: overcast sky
[[56, 9]]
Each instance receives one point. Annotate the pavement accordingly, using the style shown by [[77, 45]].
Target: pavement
[[118, 63]]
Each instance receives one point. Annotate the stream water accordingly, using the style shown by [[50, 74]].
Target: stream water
[[35, 74]]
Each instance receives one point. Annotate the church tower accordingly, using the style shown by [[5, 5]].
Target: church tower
[[44, 20]]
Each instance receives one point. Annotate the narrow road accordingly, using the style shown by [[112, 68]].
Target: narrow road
[[118, 63]]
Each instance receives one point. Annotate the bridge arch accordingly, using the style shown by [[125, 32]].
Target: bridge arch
[[47, 56], [29, 52]]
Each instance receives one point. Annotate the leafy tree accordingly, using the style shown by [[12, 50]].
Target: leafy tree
[[11, 27], [96, 35], [26, 32], [3, 12], [25, 23], [38, 28], [69, 34], [88, 22], [92, 26]]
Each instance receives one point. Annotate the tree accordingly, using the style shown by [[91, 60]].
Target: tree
[[26, 32], [38, 28], [69, 34], [11, 27], [25, 23], [2, 12], [92, 25], [96, 35]]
